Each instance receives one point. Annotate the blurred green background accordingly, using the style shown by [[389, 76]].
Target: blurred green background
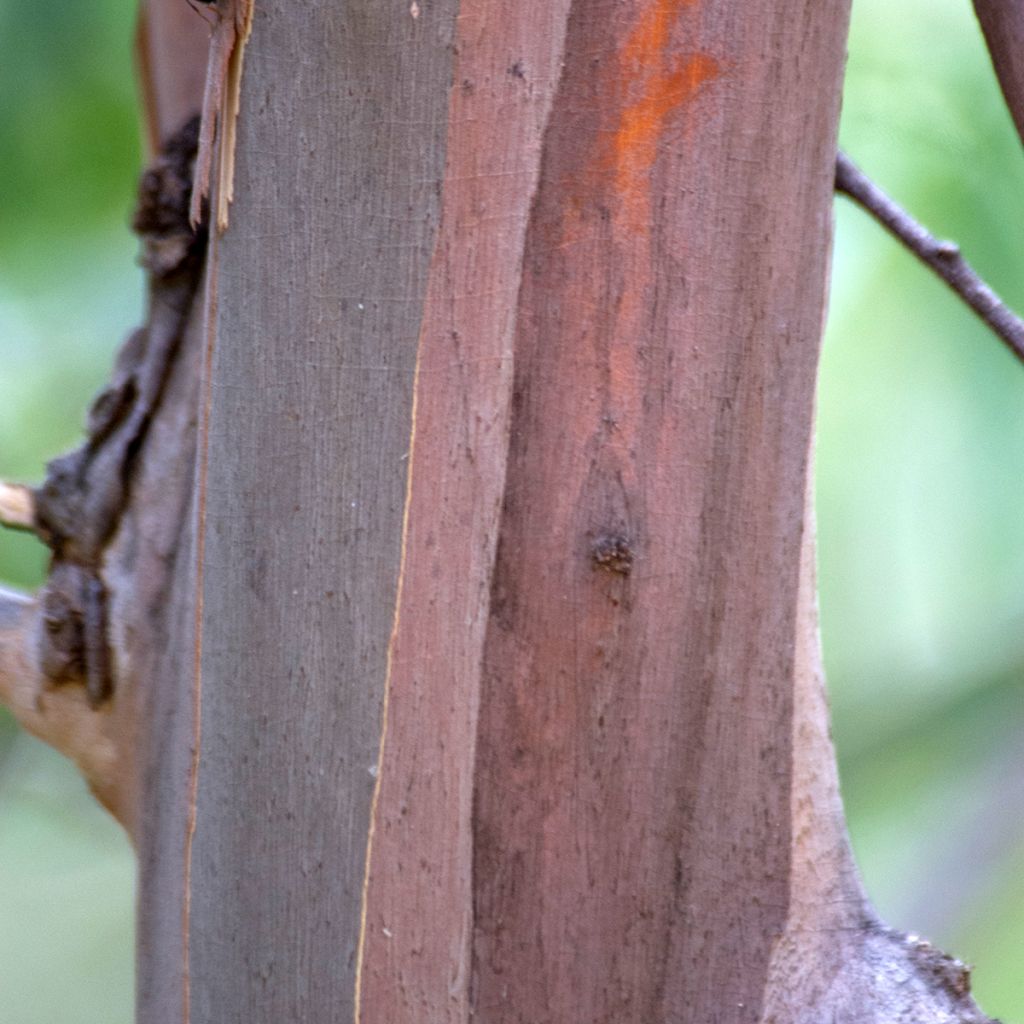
[[920, 488]]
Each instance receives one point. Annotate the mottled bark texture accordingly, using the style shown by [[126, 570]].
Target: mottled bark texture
[[492, 624]]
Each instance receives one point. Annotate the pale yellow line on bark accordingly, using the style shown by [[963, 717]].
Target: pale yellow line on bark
[[361, 946]]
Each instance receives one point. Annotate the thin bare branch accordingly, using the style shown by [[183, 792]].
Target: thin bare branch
[[17, 507], [1002, 22], [943, 257]]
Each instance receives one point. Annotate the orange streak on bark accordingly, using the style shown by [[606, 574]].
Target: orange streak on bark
[[651, 33], [646, 90], [642, 127], [664, 81]]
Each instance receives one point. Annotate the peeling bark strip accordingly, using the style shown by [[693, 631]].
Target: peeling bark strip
[[232, 25]]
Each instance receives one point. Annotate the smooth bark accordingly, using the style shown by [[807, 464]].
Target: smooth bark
[[309, 403]]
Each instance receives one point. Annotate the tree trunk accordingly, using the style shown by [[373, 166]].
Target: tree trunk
[[491, 626]]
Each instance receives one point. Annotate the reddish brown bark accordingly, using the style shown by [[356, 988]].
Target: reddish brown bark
[[624, 823]]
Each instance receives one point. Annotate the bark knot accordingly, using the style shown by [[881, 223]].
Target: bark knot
[[612, 553]]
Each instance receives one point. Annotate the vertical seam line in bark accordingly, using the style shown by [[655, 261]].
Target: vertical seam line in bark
[[361, 943], [205, 402]]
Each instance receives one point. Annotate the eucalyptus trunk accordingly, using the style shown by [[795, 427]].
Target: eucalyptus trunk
[[461, 610]]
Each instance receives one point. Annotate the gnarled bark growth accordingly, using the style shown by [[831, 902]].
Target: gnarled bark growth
[[112, 513]]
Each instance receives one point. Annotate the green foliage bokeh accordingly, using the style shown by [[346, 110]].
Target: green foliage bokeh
[[920, 475]]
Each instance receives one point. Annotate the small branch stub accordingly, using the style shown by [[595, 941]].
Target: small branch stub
[[17, 507]]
